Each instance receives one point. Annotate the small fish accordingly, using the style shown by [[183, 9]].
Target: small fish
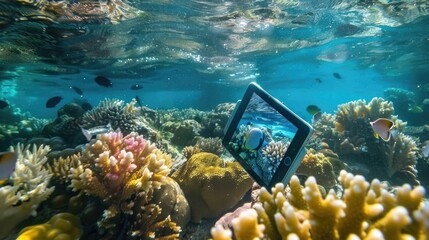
[[313, 109], [7, 165], [316, 117], [318, 80], [77, 90], [415, 109], [136, 87], [337, 75], [139, 103], [383, 128], [3, 104], [53, 101], [254, 139], [89, 133], [86, 106], [425, 150], [103, 81]]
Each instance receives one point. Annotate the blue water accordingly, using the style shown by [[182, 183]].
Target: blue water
[[198, 54]]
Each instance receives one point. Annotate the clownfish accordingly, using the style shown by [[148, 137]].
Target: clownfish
[[254, 139]]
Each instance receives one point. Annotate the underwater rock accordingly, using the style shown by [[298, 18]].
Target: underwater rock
[[211, 185], [73, 110], [65, 127], [172, 201], [183, 133]]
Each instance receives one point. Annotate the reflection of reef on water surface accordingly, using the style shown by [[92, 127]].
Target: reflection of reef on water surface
[[168, 175]]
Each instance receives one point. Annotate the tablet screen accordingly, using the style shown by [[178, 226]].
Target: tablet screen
[[262, 137]]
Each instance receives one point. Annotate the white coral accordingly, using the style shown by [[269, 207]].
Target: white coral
[[30, 187]]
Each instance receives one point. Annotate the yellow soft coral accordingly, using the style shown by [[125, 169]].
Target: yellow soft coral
[[64, 226], [367, 211], [206, 179]]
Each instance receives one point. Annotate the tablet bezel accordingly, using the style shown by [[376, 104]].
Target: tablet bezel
[[296, 149]]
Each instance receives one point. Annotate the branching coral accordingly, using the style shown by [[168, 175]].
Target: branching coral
[[189, 151], [349, 134], [275, 151], [365, 211], [126, 172], [399, 157], [29, 189]]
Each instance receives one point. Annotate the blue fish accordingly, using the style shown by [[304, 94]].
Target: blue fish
[[254, 139]]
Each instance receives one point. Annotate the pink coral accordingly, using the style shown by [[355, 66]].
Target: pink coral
[[127, 172]]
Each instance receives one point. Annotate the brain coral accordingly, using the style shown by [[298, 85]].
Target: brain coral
[[126, 172], [211, 185], [317, 165], [60, 226], [365, 211]]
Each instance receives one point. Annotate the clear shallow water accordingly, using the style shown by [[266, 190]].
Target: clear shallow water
[[198, 54]]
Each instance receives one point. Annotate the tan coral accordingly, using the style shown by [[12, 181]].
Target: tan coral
[[211, 145], [399, 155], [206, 179], [348, 113], [316, 164], [126, 173], [60, 168], [189, 151], [367, 211]]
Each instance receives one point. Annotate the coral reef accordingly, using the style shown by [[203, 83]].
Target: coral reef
[[206, 179], [364, 212], [348, 133], [127, 173], [29, 189], [60, 226]]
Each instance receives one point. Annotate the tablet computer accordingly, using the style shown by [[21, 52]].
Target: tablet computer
[[266, 137]]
